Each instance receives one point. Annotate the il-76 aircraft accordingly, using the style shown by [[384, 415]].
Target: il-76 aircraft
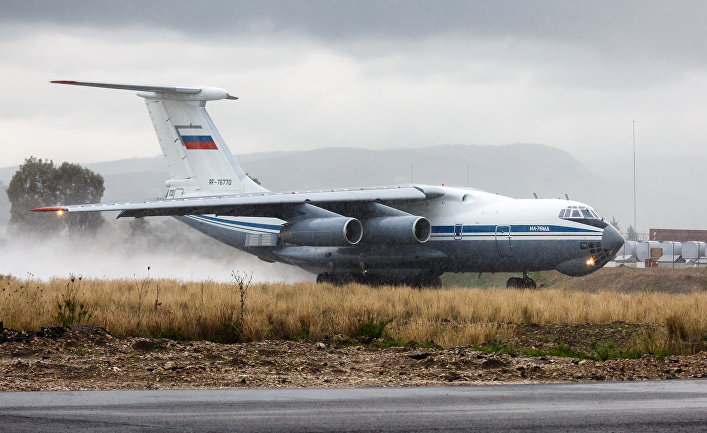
[[405, 234]]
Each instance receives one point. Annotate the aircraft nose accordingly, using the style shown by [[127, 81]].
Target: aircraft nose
[[612, 239]]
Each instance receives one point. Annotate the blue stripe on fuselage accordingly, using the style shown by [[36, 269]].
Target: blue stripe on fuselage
[[441, 231], [516, 229], [241, 223]]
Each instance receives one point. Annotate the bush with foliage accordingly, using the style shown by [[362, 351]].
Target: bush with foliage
[[39, 183]]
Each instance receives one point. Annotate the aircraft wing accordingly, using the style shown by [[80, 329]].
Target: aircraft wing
[[261, 204]]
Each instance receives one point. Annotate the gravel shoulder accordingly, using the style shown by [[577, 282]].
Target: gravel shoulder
[[89, 358]]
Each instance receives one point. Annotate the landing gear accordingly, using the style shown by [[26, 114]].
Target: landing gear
[[336, 279], [428, 281], [344, 279], [521, 283], [424, 281]]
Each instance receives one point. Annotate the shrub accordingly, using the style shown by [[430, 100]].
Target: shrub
[[371, 329], [69, 311]]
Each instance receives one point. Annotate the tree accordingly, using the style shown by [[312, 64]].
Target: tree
[[77, 185], [39, 183], [33, 185], [631, 234], [615, 224]]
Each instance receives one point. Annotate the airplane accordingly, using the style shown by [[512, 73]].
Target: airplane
[[402, 234]]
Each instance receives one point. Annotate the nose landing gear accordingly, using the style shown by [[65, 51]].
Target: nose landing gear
[[521, 283]]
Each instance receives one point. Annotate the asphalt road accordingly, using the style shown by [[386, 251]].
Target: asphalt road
[[627, 406]]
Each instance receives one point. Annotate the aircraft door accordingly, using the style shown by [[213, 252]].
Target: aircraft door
[[504, 241], [458, 229]]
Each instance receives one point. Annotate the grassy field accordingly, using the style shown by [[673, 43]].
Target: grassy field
[[230, 312]]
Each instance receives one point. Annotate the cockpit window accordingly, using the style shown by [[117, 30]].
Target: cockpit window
[[579, 212]]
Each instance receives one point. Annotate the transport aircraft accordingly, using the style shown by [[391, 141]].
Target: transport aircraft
[[404, 234]]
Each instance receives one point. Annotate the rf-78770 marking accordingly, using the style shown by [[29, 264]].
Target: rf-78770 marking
[[220, 181]]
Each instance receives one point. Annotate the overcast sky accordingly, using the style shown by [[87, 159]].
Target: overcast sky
[[361, 74]]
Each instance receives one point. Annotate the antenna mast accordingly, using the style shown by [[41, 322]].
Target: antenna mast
[[634, 176]]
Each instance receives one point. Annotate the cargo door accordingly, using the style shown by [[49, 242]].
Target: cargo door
[[458, 229]]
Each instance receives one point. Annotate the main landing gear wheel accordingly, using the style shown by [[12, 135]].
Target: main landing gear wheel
[[521, 283], [337, 279], [429, 281]]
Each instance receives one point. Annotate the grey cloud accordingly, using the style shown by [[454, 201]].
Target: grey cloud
[[672, 30], [358, 74]]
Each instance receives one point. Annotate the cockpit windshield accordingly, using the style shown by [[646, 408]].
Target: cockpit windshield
[[579, 212]]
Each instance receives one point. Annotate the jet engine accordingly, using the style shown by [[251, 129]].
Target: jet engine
[[408, 229], [330, 231]]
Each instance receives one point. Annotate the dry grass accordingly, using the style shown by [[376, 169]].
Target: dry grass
[[447, 318]]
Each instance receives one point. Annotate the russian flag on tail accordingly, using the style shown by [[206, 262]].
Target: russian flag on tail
[[196, 142]]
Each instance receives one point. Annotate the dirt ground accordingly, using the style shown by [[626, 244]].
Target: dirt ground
[[626, 279], [88, 358]]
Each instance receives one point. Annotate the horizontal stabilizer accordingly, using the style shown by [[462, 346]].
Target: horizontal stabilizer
[[199, 92]]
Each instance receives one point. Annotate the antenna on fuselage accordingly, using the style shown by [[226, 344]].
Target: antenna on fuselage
[[535, 195], [567, 197]]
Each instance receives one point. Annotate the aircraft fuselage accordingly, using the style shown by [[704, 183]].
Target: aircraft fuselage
[[471, 231]]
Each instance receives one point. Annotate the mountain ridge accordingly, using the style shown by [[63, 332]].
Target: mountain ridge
[[518, 170]]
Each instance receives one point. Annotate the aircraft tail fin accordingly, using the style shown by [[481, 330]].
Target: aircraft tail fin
[[200, 162]]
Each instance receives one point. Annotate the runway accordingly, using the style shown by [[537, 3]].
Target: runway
[[619, 406]]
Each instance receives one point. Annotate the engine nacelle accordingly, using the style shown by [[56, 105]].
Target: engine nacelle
[[399, 230], [333, 231]]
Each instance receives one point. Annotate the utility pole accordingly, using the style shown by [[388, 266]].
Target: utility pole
[[635, 225]]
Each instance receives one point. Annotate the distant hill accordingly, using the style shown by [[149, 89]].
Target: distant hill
[[516, 170]]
